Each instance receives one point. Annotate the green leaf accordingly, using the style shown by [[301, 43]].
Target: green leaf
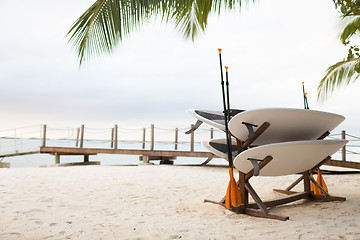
[[351, 28], [100, 28], [341, 73]]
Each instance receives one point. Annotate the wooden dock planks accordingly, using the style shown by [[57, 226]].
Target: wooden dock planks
[[143, 152]]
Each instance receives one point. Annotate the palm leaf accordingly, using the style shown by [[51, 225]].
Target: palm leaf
[[192, 15], [351, 28], [190, 19], [341, 73], [107, 22]]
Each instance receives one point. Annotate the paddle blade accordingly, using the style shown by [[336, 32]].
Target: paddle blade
[[313, 187], [321, 181], [233, 196], [228, 197]]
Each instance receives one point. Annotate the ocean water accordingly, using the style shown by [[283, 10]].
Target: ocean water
[[11, 145]]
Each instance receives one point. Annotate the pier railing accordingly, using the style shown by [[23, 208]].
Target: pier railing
[[28, 140], [113, 134]]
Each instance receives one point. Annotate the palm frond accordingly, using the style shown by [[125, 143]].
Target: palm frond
[[341, 73], [351, 28], [107, 22], [190, 19], [191, 16]]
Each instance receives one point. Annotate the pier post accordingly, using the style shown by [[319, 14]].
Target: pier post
[[15, 139], [77, 137], [44, 135], [152, 137], [112, 138], [116, 136], [57, 158], [343, 151], [211, 133], [146, 159], [176, 138], [192, 139], [86, 158], [82, 137], [143, 139]]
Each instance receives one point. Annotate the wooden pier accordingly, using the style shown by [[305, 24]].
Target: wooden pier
[[14, 154], [165, 156], [145, 155]]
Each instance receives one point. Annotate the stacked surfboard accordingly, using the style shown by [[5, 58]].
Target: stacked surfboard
[[294, 138], [213, 118]]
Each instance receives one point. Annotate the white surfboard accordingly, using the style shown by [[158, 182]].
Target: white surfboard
[[213, 118], [288, 157], [286, 124], [219, 147]]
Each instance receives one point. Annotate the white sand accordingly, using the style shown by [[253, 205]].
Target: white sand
[[161, 202]]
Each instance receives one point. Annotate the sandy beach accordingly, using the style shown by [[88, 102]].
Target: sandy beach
[[161, 202]]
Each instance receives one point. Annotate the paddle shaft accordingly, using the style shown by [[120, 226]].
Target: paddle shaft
[[306, 105], [228, 113], [225, 113]]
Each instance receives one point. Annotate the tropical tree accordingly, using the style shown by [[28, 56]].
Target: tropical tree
[[101, 27], [347, 70]]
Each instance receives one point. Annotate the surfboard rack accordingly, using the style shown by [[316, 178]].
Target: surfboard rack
[[243, 145], [195, 126], [260, 208], [250, 128], [295, 196], [255, 163], [307, 179], [207, 160]]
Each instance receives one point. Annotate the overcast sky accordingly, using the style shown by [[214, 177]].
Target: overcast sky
[[154, 75]]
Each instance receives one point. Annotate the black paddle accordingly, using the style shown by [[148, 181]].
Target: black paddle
[[306, 105], [228, 118], [225, 109], [232, 198]]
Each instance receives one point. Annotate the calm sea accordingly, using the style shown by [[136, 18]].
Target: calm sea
[[8, 145]]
